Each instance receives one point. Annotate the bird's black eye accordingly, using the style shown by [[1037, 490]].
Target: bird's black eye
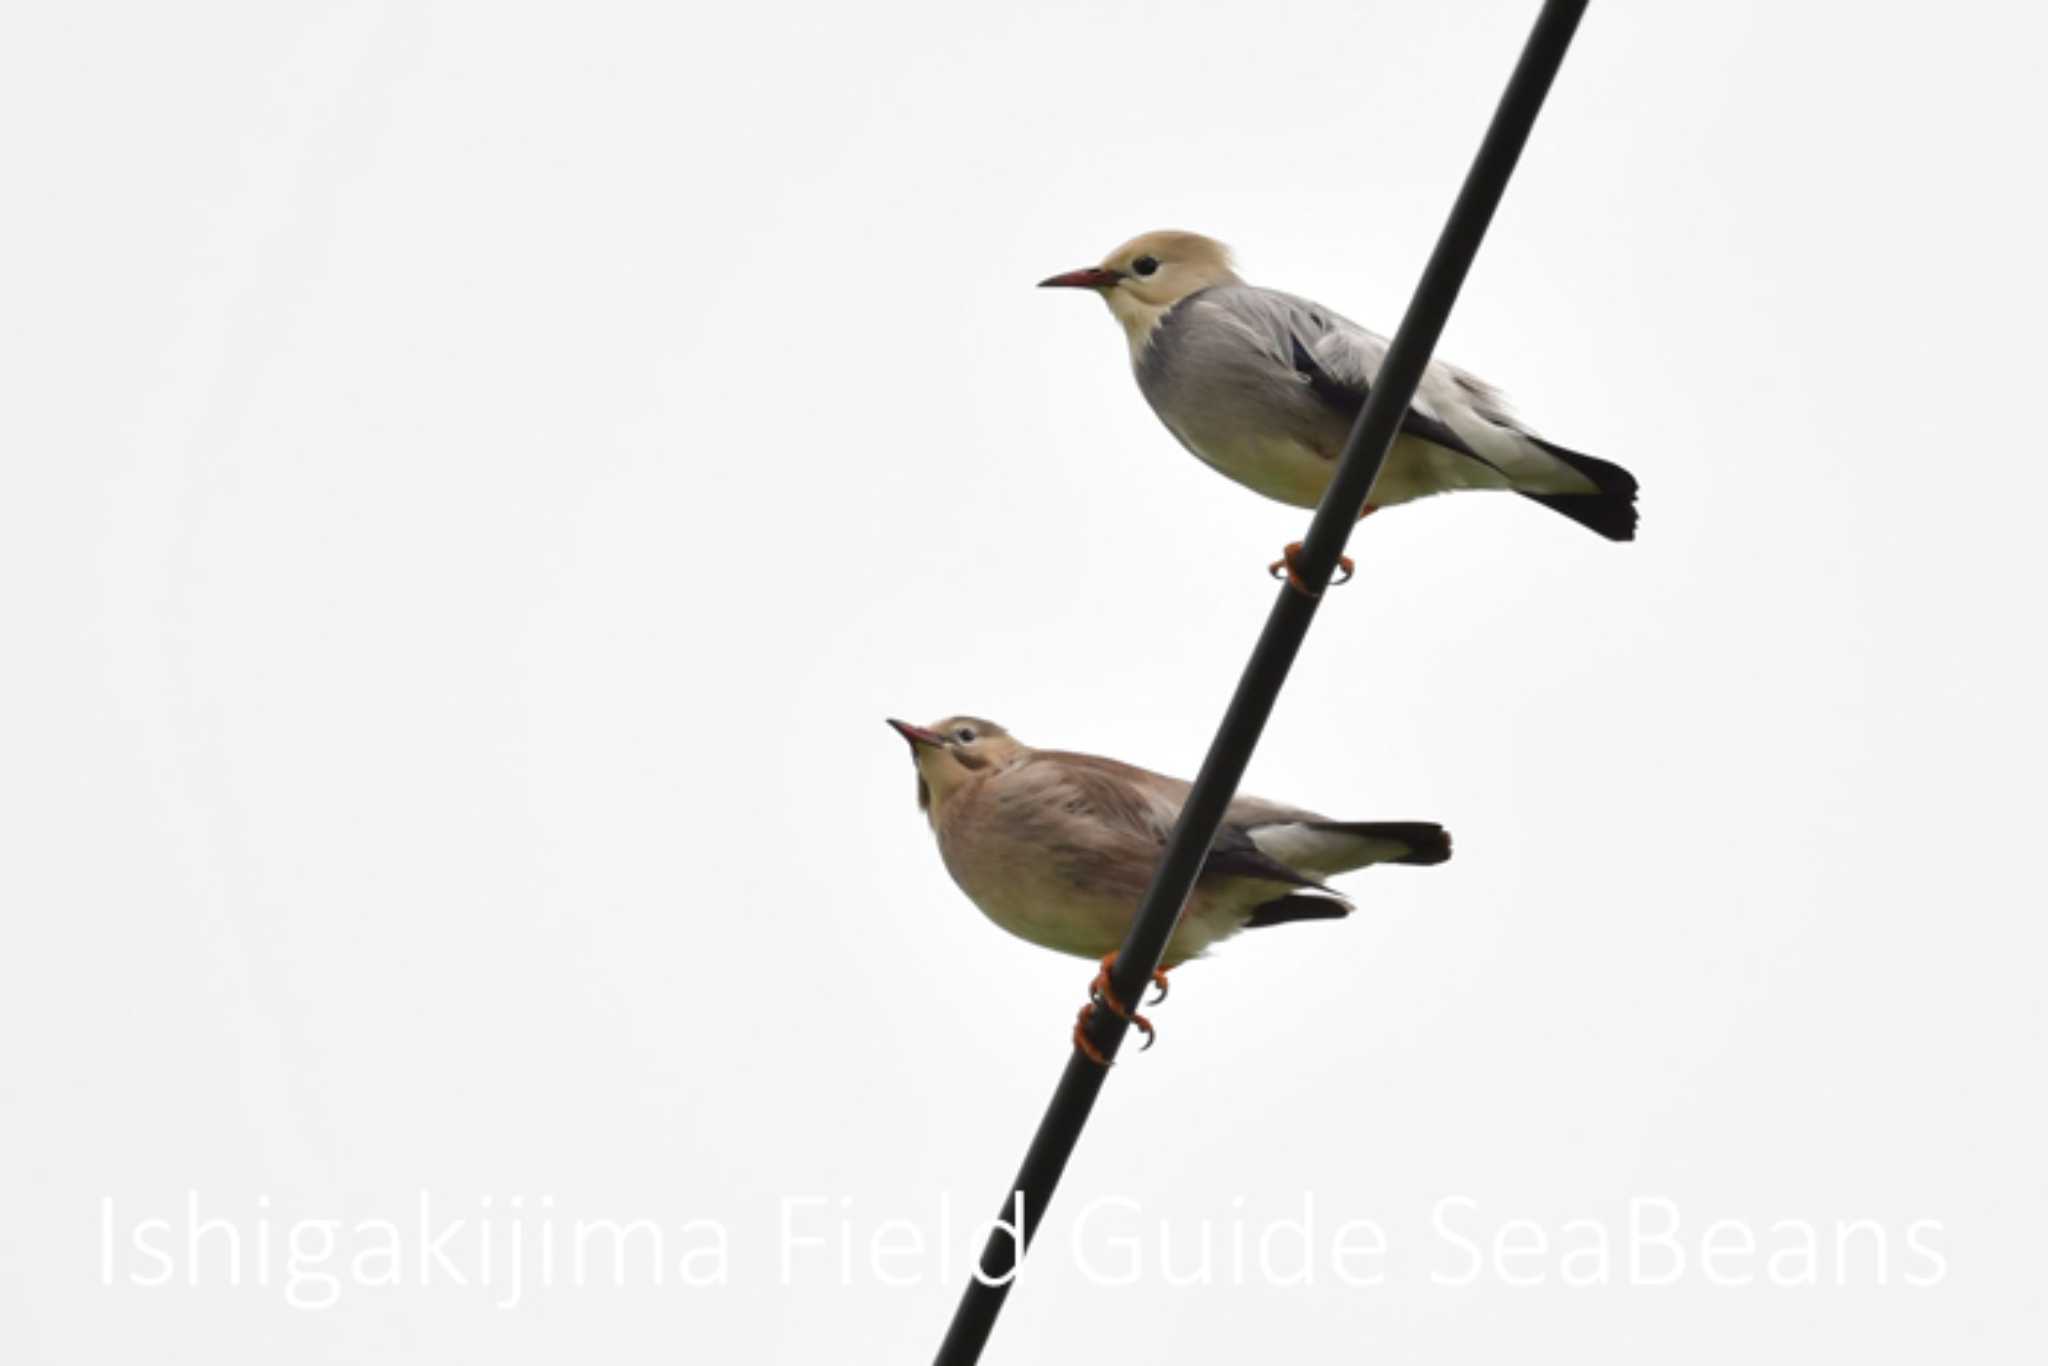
[[1145, 265], [964, 735]]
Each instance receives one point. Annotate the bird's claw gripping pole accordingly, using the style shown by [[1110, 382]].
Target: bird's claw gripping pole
[[1144, 946], [1285, 568], [1102, 992]]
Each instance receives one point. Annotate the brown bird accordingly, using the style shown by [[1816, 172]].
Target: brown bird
[[1059, 848]]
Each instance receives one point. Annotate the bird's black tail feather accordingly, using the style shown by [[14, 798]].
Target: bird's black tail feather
[[1298, 906], [1419, 842], [1611, 511], [1427, 842]]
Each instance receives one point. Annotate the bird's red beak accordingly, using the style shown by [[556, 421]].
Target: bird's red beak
[[1088, 277], [917, 735]]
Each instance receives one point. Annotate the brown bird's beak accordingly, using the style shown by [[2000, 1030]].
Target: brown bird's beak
[[917, 735], [1088, 277]]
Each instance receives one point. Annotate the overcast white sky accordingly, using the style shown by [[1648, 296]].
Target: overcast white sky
[[478, 475]]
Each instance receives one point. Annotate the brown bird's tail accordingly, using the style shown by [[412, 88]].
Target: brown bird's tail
[[1418, 842], [1327, 847], [1298, 906]]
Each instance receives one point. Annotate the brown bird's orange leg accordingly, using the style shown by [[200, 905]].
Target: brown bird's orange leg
[[1100, 986], [1100, 990], [1081, 1043], [1293, 574]]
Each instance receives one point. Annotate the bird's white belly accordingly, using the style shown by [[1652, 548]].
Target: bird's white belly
[[1024, 893], [1279, 467], [1287, 471]]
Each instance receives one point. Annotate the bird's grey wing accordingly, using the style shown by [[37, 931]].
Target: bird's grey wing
[[1335, 358], [1452, 408]]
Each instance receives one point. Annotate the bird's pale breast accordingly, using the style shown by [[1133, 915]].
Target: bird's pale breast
[[1057, 880]]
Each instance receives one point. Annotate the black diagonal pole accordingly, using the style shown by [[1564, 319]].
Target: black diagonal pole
[[1366, 450]]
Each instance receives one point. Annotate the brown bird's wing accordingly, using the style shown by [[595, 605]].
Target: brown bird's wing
[[1138, 805]]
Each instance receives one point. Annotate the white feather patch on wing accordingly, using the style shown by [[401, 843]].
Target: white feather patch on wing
[[1322, 853]]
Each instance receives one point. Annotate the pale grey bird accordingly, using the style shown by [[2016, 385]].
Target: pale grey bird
[[1264, 387], [1058, 848]]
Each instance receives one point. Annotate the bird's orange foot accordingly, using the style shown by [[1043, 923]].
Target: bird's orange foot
[[1287, 562], [1100, 987], [1082, 1044], [1100, 991]]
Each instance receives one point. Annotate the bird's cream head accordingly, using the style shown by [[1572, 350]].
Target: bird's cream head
[[1148, 275], [951, 753]]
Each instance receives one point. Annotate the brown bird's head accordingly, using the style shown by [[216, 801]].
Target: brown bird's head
[[950, 752], [1147, 275]]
